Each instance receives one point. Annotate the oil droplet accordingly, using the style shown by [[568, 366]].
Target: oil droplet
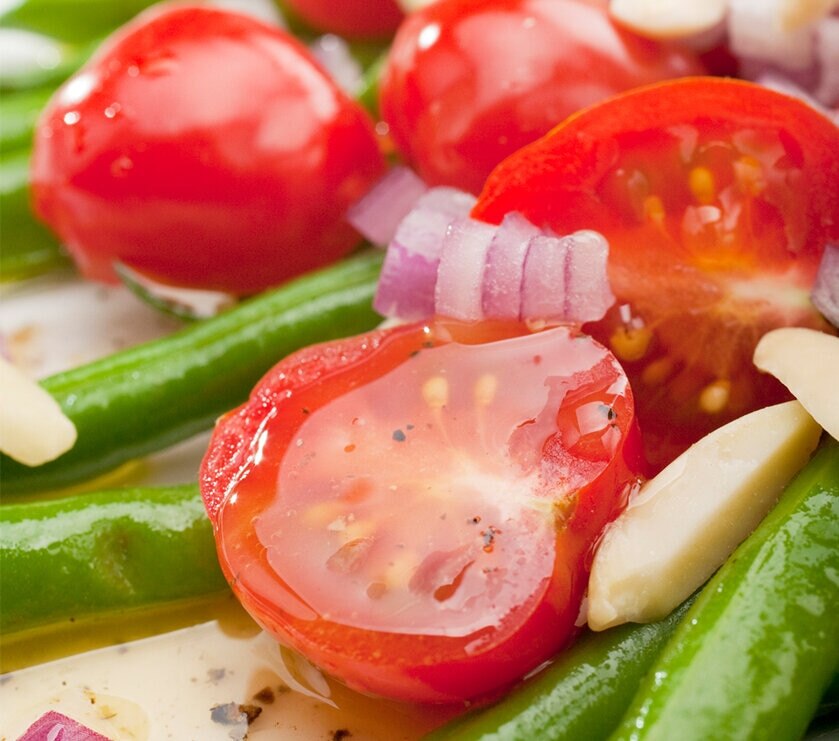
[[72, 117], [112, 110]]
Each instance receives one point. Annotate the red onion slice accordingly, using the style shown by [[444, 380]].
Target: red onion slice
[[505, 267], [409, 274], [442, 261], [565, 278], [53, 726], [460, 277], [545, 277], [589, 294], [825, 294], [406, 284], [378, 214]]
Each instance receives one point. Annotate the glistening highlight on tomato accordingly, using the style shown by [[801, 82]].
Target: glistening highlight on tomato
[[468, 82], [203, 149], [717, 198], [414, 509]]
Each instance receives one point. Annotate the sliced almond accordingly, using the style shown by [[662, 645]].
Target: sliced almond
[[33, 429], [684, 523], [807, 363], [668, 19]]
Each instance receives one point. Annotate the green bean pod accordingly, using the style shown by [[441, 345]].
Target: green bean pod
[[151, 396], [18, 116], [29, 248], [76, 21], [101, 553], [760, 646], [582, 695]]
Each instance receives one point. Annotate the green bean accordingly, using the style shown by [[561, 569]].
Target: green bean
[[755, 653], [582, 695], [76, 21], [18, 116], [102, 553], [146, 398], [29, 247]]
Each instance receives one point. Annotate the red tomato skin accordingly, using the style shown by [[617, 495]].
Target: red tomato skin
[[204, 149], [410, 667], [354, 19], [563, 181], [468, 82]]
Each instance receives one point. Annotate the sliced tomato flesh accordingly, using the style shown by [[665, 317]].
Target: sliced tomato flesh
[[424, 535], [717, 198]]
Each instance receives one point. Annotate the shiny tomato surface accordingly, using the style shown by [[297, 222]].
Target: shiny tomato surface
[[717, 198], [414, 509], [468, 82], [203, 149], [354, 19]]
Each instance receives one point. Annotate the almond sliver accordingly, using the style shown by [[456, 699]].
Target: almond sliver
[[33, 428]]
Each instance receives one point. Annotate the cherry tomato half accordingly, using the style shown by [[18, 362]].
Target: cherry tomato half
[[204, 149], [354, 19], [469, 82], [717, 198], [415, 512]]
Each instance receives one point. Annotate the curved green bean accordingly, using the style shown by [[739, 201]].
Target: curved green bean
[[149, 397], [760, 646]]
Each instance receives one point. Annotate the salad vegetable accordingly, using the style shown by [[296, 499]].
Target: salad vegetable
[[717, 198], [204, 149], [414, 509], [469, 82], [101, 553], [362, 19], [583, 694], [29, 248], [761, 644], [148, 397]]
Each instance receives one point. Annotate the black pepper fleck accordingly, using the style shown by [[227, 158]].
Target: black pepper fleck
[[399, 436]]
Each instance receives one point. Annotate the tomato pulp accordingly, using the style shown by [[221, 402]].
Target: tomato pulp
[[204, 149], [414, 509], [717, 198], [468, 82]]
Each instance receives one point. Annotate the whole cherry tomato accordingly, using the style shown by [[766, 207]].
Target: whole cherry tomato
[[204, 149], [717, 198], [414, 509], [354, 19], [468, 82]]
